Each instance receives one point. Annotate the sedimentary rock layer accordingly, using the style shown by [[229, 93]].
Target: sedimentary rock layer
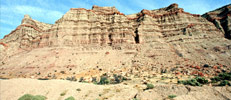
[[103, 39], [221, 18]]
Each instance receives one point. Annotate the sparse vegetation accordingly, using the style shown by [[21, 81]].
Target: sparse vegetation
[[70, 98], [104, 80], [198, 81], [118, 79], [73, 78], [201, 80], [225, 76], [224, 83], [149, 86], [171, 96], [222, 79], [31, 97], [215, 79]]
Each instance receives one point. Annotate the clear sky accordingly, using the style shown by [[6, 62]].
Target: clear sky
[[48, 11]]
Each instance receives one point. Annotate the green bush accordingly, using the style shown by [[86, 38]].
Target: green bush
[[118, 79], [215, 79], [149, 86], [225, 76], [104, 80], [31, 97], [201, 80], [224, 83], [198, 81], [70, 98], [171, 96], [222, 78]]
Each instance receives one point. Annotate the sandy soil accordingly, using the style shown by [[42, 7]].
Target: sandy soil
[[14, 88]]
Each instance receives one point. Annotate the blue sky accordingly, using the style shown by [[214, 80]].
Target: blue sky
[[48, 11]]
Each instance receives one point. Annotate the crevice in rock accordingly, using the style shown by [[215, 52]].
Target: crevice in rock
[[137, 38], [110, 39], [225, 28]]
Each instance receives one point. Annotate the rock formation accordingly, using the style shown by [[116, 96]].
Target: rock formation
[[221, 19], [91, 42]]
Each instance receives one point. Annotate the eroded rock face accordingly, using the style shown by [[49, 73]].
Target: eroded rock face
[[221, 18], [103, 39], [106, 25]]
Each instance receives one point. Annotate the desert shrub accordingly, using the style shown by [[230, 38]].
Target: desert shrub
[[149, 86], [31, 97], [215, 79], [171, 96], [198, 81], [192, 82], [201, 80], [225, 76], [73, 78], [70, 98], [224, 83], [222, 77], [118, 78], [104, 80]]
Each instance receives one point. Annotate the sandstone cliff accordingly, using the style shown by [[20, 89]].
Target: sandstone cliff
[[221, 19], [87, 43]]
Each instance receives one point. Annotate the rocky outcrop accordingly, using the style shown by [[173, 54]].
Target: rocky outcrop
[[170, 23], [107, 26], [91, 42], [221, 18]]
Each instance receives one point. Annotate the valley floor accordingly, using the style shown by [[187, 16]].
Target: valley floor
[[13, 89]]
